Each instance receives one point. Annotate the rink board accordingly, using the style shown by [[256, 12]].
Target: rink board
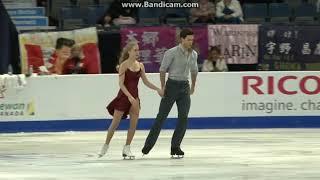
[[221, 100]]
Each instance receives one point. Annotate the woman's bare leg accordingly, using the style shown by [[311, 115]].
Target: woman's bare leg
[[134, 116], [117, 115]]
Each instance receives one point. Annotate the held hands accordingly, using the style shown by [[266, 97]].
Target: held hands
[[160, 92]]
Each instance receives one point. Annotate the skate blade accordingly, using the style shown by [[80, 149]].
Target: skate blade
[[100, 155], [176, 156], [125, 157]]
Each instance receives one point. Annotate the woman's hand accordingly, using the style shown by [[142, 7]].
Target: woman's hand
[[134, 103], [160, 92], [132, 100]]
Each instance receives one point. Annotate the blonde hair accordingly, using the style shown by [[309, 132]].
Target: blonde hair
[[125, 51]]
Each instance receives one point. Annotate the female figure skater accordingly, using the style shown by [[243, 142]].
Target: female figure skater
[[127, 100]]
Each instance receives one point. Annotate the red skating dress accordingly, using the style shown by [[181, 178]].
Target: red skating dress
[[121, 102]]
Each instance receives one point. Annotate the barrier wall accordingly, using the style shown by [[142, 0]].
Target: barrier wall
[[221, 100]]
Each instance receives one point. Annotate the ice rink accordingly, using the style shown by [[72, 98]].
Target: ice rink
[[257, 154]]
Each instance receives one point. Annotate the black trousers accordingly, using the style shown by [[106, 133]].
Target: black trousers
[[175, 91]]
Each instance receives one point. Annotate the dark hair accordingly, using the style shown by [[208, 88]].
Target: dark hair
[[213, 48], [185, 32], [64, 42]]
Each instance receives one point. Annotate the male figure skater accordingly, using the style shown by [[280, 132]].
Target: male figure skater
[[178, 61]]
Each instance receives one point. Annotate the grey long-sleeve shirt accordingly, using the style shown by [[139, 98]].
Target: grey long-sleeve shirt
[[178, 62]]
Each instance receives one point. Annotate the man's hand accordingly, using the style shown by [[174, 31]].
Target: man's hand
[[191, 90], [160, 92]]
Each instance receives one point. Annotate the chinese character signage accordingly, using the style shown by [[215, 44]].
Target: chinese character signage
[[153, 42], [285, 47]]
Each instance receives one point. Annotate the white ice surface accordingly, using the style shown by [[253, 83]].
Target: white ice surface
[[257, 154]]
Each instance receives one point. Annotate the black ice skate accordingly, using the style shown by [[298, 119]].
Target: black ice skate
[[145, 150], [176, 153]]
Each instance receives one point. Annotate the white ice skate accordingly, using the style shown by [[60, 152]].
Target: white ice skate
[[104, 150], [126, 153]]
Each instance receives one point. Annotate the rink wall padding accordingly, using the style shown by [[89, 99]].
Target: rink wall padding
[[145, 124], [221, 100]]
